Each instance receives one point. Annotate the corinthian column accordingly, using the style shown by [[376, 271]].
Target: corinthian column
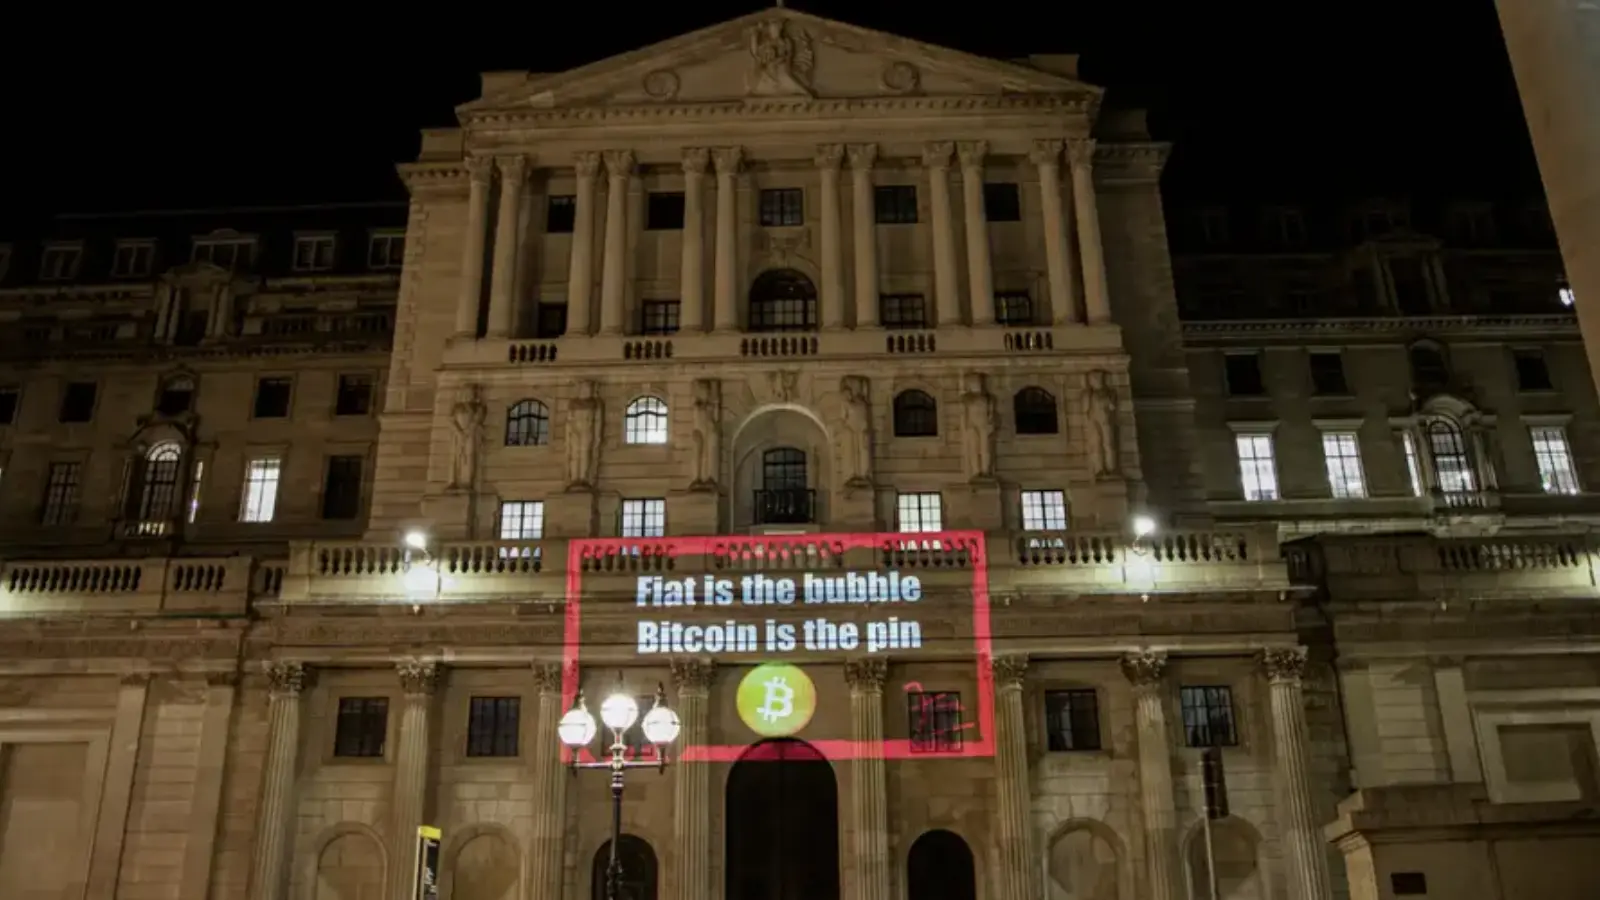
[[1014, 825], [1046, 158], [418, 678], [1305, 848], [691, 789], [479, 171], [726, 314], [545, 858], [1146, 671], [580, 273], [614, 269], [828, 159], [285, 682], [507, 243], [864, 232], [869, 797], [1097, 300], [980, 278], [936, 158], [691, 268]]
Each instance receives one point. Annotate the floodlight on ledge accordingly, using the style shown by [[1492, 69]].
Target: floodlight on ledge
[[417, 539], [1143, 527], [577, 728]]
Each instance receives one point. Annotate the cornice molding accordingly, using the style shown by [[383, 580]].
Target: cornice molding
[[1379, 325], [786, 107]]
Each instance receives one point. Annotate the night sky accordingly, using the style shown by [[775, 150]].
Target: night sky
[[280, 103]]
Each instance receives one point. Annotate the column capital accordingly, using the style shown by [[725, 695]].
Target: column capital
[[480, 169], [1046, 153], [692, 675], [1144, 669], [1009, 671], [1080, 151], [866, 674], [547, 675], [972, 153], [695, 160], [936, 155], [728, 159], [513, 169], [1283, 665], [418, 677], [862, 156], [287, 679], [587, 163], [619, 163], [829, 156]]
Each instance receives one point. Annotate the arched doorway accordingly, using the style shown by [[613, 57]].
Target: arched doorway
[[783, 300], [638, 869], [940, 868], [782, 824]]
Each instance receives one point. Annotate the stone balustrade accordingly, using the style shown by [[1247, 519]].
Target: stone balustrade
[[1404, 567], [149, 586]]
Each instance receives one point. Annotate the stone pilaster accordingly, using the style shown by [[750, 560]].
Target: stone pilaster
[[546, 852], [507, 244], [691, 789], [480, 170], [691, 268], [1046, 156], [418, 679], [980, 278], [1146, 671], [1096, 300], [947, 294], [268, 879], [726, 287], [1304, 846], [580, 271], [1013, 820], [828, 159], [864, 232], [869, 792], [614, 268]]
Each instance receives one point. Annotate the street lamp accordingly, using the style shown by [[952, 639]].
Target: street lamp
[[619, 711]]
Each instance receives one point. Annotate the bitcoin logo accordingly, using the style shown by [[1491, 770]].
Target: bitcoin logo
[[776, 700]]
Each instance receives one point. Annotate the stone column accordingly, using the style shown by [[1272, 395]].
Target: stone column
[[936, 159], [1014, 821], [864, 231], [614, 268], [691, 268], [828, 159], [1146, 671], [580, 272], [1304, 845], [691, 789], [980, 275], [1062, 277], [546, 856], [503, 281], [268, 879], [479, 171], [726, 314], [1096, 299], [869, 787], [418, 678]]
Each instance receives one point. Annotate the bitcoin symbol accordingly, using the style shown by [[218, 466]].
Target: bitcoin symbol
[[776, 700], [779, 702]]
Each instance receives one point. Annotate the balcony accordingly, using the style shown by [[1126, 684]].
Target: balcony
[[785, 506], [1397, 568], [197, 586]]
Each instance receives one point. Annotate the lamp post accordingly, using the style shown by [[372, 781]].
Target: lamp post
[[618, 712]]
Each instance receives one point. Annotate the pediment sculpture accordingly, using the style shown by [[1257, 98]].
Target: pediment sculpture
[[782, 60]]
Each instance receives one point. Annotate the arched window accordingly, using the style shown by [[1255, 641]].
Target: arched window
[[915, 415], [645, 422], [158, 489], [1428, 366], [1034, 410], [527, 424], [638, 863], [1452, 466], [783, 300], [784, 497], [176, 396]]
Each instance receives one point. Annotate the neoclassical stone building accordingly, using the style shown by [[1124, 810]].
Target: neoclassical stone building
[[878, 337]]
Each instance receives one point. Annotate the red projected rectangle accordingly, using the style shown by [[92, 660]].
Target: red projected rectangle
[[737, 557]]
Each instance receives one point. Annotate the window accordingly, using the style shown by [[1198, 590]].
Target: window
[[1342, 452], [785, 497], [644, 518], [1044, 511], [550, 320], [1327, 375], [783, 300], [1002, 202], [663, 211], [272, 398], [645, 421], [77, 402], [916, 414], [132, 259], [894, 204], [1258, 471], [1072, 720], [921, 512], [362, 727], [782, 207], [341, 488], [560, 215], [659, 316], [386, 250], [1532, 373], [1243, 374], [1214, 226], [60, 263], [61, 493], [1557, 475], [1451, 465], [1413, 465], [176, 397], [493, 725], [260, 495], [1013, 308], [354, 397], [1034, 410], [1428, 368], [522, 520], [1288, 228], [194, 489], [527, 424], [902, 311], [313, 253], [229, 254], [1208, 716], [9, 399], [1408, 884], [934, 721], [157, 492]]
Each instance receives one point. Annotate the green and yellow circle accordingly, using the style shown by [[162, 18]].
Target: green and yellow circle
[[776, 699]]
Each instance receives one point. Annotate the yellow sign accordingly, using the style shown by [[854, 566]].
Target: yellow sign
[[776, 699]]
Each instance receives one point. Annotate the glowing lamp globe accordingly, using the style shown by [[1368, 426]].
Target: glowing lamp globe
[[660, 725], [577, 727], [619, 712]]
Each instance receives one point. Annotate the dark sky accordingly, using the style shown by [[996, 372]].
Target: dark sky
[[314, 103]]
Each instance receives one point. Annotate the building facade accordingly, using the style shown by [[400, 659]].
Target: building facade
[[882, 338]]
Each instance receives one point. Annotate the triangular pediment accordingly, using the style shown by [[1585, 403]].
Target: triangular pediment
[[777, 53]]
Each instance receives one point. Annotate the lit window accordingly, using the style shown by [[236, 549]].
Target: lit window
[[1565, 295], [1451, 466], [313, 253], [1413, 462], [645, 421], [1342, 451], [260, 497], [160, 483], [1556, 472], [921, 512], [521, 520], [1258, 471], [527, 424], [1044, 511], [644, 518]]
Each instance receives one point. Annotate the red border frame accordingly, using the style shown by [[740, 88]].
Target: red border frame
[[972, 542]]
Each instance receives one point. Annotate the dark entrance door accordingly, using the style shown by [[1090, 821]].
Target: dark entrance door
[[783, 824], [940, 867]]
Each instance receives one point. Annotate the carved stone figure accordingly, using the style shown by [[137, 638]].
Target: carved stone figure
[[857, 446], [466, 424], [979, 422], [783, 60], [583, 436], [707, 432], [783, 384], [1100, 408]]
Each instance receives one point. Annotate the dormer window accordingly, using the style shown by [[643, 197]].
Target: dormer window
[[386, 250], [226, 253], [133, 259], [1214, 226], [313, 253], [60, 262], [1286, 227]]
